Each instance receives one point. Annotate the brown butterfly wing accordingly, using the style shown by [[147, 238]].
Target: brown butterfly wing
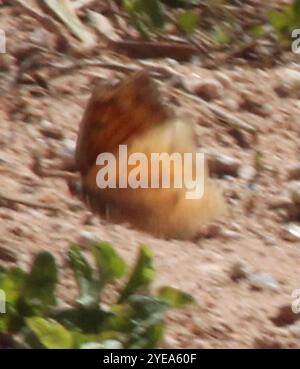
[[133, 112], [115, 114]]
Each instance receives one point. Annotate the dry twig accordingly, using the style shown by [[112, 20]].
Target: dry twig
[[149, 49], [220, 113], [155, 71]]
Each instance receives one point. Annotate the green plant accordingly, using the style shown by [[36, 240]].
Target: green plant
[[145, 15], [135, 319], [286, 19], [150, 15], [187, 21]]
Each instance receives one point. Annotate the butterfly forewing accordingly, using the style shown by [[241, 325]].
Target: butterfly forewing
[[114, 115]]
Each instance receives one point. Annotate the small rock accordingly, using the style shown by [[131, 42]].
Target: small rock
[[288, 82], [291, 232], [224, 79], [7, 255], [230, 235], [235, 227], [256, 105], [223, 165], [247, 172], [48, 129], [172, 62], [285, 316], [294, 171], [269, 241], [86, 239], [67, 153], [295, 329], [231, 104], [267, 342], [239, 270], [294, 190], [262, 281], [103, 25], [64, 89], [170, 342], [40, 37], [212, 231], [214, 274], [208, 89], [279, 202], [6, 61]]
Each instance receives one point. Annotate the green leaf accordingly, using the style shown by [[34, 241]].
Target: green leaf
[[147, 306], [136, 321], [151, 336], [142, 275], [188, 21], [174, 297], [257, 31], [39, 287], [88, 289], [120, 319], [11, 283], [50, 334], [110, 265], [147, 315], [222, 35], [85, 320], [150, 11], [279, 20], [154, 10], [296, 12]]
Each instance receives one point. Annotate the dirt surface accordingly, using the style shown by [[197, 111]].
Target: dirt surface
[[229, 312]]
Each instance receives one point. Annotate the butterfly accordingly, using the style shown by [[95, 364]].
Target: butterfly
[[133, 114]]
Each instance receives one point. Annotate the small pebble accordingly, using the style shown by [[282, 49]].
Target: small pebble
[[294, 190], [247, 172], [291, 232], [224, 79], [256, 105], [231, 104], [223, 165], [295, 329], [67, 153], [294, 171], [86, 238], [285, 316], [48, 129], [7, 255], [288, 82], [239, 270], [263, 281], [208, 89], [230, 235]]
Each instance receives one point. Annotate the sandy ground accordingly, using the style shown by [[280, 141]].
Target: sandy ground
[[228, 313]]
